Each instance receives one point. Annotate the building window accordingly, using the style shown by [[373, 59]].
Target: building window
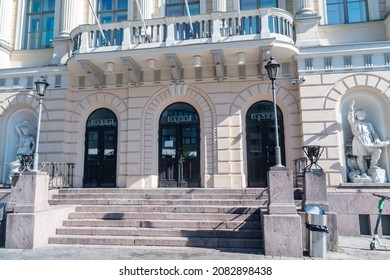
[[112, 10], [40, 23], [252, 5], [2, 83], [58, 81], [308, 64], [346, 11], [328, 63], [387, 59], [286, 71], [16, 82], [30, 82], [348, 61], [176, 8], [367, 60]]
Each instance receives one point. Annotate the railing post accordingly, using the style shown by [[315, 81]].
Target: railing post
[[85, 39], [216, 36], [265, 31], [170, 31]]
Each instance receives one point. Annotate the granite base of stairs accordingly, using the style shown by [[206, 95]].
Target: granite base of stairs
[[209, 218]]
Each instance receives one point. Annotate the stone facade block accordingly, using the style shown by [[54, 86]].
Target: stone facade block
[[314, 186], [316, 116], [282, 235], [280, 191], [313, 128]]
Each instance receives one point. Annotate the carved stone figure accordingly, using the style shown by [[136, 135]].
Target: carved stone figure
[[25, 146], [26, 143], [366, 145]]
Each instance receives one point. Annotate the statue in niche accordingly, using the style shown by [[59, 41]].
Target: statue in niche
[[26, 143], [366, 146], [25, 146]]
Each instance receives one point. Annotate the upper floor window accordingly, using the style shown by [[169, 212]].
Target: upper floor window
[[256, 4], [346, 11], [178, 7], [40, 23], [112, 10]]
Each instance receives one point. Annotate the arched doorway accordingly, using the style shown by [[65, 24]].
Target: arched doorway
[[260, 139], [179, 147], [100, 150]]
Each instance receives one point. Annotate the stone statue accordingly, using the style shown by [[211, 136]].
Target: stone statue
[[366, 144], [25, 146], [26, 143]]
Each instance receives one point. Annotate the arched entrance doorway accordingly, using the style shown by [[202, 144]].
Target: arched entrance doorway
[[100, 150], [179, 147], [260, 139]]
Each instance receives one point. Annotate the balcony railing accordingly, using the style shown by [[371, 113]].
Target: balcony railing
[[60, 174], [169, 31]]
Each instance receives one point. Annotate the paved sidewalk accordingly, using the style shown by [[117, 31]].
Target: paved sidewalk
[[350, 248]]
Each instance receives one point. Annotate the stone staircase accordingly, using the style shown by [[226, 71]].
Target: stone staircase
[[209, 218]]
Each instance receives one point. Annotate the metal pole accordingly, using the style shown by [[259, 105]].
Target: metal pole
[[277, 147], [105, 42], [36, 155]]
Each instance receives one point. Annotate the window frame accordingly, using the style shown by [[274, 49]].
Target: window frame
[[114, 12], [42, 15], [182, 7], [259, 5], [346, 13]]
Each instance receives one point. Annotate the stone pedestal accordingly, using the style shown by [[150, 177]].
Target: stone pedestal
[[314, 187], [280, 191], [62, 49], [306, 26], [378, 175], [282, 232], [29, 200]]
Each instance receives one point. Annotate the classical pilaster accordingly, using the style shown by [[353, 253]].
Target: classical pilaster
[[146, 8], [219, 5], [70, 15], [303, 7], [6, 7]]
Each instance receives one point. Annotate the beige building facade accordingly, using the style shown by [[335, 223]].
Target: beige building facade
[[167, 99]]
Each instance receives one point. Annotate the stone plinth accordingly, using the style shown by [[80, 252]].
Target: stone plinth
[[29, 192], [282, 235], [378, 175], [314, 186], [30, 221], [280, 191], [282, 229]]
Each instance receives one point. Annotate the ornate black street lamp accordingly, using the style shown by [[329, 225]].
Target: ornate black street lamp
[[41, 86], [272, 69]]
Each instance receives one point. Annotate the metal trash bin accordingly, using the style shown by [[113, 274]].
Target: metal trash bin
[[2, 224], [317, 225]]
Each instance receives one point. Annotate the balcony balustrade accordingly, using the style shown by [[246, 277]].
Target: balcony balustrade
[[164, 32]]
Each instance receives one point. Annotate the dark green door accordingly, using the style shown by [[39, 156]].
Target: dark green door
[[100, 150], [179, 161], [260, 138]]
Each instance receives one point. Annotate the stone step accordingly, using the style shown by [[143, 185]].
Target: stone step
[[169, 209], [167, 224], [174, 191], [177, 232], [98, 201], [210, 218], [162, 216], [158, 196], [159, 241]]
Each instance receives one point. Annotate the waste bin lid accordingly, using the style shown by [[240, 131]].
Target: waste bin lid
[[314, 209]]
